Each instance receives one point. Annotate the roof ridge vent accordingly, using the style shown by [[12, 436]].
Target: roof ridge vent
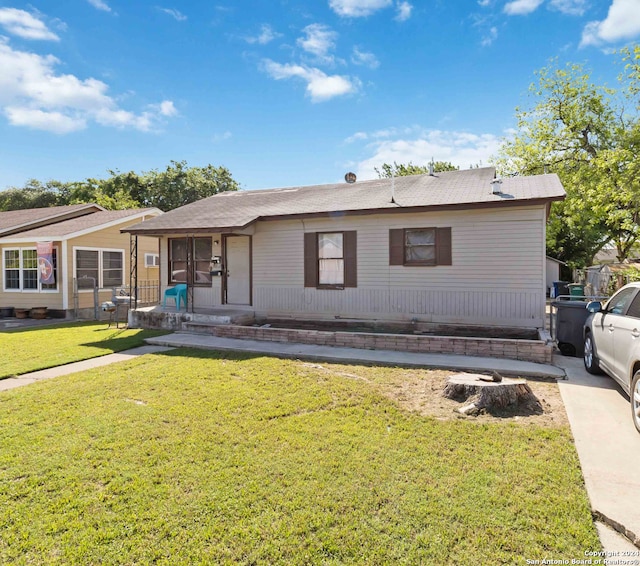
[[496, 186]]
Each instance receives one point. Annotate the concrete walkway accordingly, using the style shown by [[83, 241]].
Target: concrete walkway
[[27, 378]]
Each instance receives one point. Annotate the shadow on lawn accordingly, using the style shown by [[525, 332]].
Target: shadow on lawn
[[212, 354], [113, 339]]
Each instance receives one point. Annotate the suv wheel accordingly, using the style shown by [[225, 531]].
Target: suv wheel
[[635, 400], [591, 363]]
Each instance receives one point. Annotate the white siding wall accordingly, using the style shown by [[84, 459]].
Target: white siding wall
[[497, 276]]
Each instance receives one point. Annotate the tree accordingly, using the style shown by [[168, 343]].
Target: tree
[[401, 170], [176, 186], [583, 133]]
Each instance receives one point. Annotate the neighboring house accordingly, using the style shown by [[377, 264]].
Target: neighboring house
[[456, 247], [87, 245], [553, 272], [607, 254]]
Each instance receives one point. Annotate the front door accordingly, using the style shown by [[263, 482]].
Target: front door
[[238, 270]]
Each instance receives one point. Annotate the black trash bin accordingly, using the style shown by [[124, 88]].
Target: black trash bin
[[570, 319]]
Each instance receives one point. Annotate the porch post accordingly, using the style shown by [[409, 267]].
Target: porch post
[[133, 271], [190, 269]]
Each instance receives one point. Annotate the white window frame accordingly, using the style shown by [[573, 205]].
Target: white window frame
[[151, 260], [100, 265], [21, 288]]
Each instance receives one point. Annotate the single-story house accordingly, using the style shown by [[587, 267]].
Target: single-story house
[[55, 257], [457, 247]]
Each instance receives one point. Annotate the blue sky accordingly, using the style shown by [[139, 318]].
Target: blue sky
[[282, 93]]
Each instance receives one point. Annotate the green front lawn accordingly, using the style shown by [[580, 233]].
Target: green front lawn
[[189, 457], [32, 349]]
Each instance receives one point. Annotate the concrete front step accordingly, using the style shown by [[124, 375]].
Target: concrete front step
[[201, 322]]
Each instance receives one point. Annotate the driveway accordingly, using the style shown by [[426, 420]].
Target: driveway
[[607, 443]]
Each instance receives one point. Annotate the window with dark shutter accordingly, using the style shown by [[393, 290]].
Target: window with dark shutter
[[330, 260], [420, 246]]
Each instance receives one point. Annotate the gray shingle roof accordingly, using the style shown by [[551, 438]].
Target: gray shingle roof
[[237, 209], [12, 221], [74, 225]]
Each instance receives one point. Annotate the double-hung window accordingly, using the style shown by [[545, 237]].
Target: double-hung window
[[20, 270], [12, 270], [330, 260], [103, 268], [420, 246]]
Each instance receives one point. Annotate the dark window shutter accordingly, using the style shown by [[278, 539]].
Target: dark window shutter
[[443, 246], [310, 259], [350, 251], [396, 246]]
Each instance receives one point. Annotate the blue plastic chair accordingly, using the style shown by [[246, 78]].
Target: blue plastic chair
[[177, 293]]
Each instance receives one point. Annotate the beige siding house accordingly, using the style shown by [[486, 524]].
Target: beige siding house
[[449, 248], [88, 248]]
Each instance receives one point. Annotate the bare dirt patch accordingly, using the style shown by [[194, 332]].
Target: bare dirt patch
[[420, 391]]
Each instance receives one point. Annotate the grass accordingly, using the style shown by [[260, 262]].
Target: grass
[[33, 349], [190, 457]]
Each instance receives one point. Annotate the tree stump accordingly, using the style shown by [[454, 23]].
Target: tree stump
[[482, 393]]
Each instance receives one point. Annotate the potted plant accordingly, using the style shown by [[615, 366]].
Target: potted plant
[[22, 313], [39, 312]]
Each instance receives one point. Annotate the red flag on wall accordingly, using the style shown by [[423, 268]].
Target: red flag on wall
[[45, 263]]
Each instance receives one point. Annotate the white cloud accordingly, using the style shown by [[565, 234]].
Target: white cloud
[[32, 94], [177, 15], [522, 7], [484, 3], [55, 122], [222, 137], [319, 40], [622, 23], [357, 136], [570, 7], [165, 108], [460, 148], [365, 59], [490, 37], [404, 11], [25, 25], [358, 8], [267, 35], [100, 5], [320, 86]]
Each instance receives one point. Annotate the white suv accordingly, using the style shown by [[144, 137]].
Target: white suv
[[612, 342]]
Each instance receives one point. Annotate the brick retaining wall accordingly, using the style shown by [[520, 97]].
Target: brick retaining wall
[[525, 350]]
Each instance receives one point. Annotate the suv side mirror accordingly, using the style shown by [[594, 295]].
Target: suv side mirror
[[594, 306]]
